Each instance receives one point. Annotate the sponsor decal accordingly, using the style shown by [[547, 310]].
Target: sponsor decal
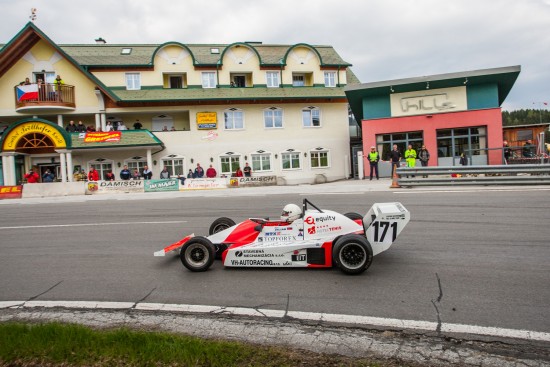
[[11, 192], [287, 263], [326, 218], [251, 262], [279, 238], [328, 229], [102, 137], [254, 251], [300, 257], [132, 183], [311, 230], [309, 220], [255, 181], [161, 185]]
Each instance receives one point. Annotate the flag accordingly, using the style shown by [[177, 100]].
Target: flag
[[27, 92]]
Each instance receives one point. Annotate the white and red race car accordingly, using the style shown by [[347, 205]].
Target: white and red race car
[[317, 239]]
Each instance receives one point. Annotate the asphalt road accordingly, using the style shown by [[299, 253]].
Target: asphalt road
[[484, 254]]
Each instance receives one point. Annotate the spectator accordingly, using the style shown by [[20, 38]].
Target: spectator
[[136, 175], [58, 82], [199, 172], [424, 157], [374, 157], [80, 127], [395, 158], [172, 128], [32, 176], [71, 127], [463, 160], [410, 157], [165, 128], [211, 172], [506, 151], [48, 176], [83, 176], [125, 174], [90, 129], [93, 175], [121, 126], [247, 170], [528, 150], [27, 81], [164, 174], [190, 174], [137, 125], [109, 126], [110, 176], [147, 173], [238, 172]]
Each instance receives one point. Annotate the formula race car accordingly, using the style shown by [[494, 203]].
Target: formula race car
[[303, 237]]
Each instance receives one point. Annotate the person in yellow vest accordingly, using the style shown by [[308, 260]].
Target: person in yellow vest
[[410, 157], [374, 157]]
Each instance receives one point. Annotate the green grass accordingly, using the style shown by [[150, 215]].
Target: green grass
[[75, 345]]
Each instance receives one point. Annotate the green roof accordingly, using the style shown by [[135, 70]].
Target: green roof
[[129, 138]]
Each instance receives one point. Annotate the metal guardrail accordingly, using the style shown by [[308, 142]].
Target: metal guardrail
[[524, 174]]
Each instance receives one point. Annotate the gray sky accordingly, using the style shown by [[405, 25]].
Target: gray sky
[[383, 39]]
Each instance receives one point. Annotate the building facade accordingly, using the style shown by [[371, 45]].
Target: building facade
[[451, 114], [280, 108]]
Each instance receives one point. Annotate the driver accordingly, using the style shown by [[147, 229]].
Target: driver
[[290, 213]]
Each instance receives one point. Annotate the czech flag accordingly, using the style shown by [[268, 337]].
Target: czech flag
[[27, 92]]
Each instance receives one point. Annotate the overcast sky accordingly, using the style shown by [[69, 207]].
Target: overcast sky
[[383, 39]]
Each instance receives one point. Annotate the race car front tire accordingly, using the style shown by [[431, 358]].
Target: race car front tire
[[220, 224], [353, 216], [352, 253], [197, 254]]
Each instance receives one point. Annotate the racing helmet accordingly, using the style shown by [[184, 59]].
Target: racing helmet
[[291, 212]]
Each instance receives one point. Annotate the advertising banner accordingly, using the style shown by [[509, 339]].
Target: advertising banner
[[253, 181], [161, 185], [11, 192], [102, 137], [107, 187], [204, 184]]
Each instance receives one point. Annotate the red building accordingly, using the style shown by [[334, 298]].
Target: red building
[[451, 114]]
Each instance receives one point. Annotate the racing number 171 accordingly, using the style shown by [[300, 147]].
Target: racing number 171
[[383, 227]]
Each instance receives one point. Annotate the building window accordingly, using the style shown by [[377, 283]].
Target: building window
[[136, 163], [133, 81], [234, 119], [241, 80], [311, 117], [319, 159], [298, 80], [209, 79], [523, 135], [174, 164], [102, 166], [273, 118], [261, 162], [272, 79], [454, 142], [175, 81], [291, 160], [385, 142], [330, 79], [229, 164]]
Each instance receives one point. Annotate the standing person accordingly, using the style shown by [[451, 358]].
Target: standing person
[[506, 151], [247, 170], [528, 150], [190, 174], [125, 174], [58, 82], [463, 160], [395, 158], [110, 176], [238, 172], [211, 172], [71, 128], [109, 126], [48, 176], [199, 172], [424, 157], [93, 175], [121, 126], [136, 175], [374, 157], [32, 176], [164, 174], [410, 157], [147, 173], [81, 128], [137, 125]]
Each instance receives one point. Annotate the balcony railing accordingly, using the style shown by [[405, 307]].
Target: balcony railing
[[46, 96]]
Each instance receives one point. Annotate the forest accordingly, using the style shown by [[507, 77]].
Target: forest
[[525, 117]]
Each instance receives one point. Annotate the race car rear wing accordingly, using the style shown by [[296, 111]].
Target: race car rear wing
[[383, 223]]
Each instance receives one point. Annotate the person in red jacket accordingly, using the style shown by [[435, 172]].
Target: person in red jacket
[[32, 176], [211, 172], [238, 172], [93, 175]]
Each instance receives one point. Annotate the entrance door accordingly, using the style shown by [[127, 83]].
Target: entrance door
[[355, 164]]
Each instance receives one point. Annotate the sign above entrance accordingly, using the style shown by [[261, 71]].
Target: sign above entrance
[[427, 102], [207, 120], [34, 127]]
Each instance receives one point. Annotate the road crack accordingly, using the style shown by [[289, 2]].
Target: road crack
[[436, 303]]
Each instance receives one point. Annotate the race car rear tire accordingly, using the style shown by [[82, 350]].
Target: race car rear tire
[[353, 216], [352, 253], [197, 254], [220, 224]]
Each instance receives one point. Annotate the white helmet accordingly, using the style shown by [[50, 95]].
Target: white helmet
[[290, 213]]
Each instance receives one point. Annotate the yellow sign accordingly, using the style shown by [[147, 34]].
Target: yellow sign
[[13, 137], [207, 120]]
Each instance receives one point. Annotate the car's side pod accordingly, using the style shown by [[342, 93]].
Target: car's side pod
[[383, 223]]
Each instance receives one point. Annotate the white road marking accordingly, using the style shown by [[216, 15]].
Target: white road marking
[[351, 320], [463, 191], [92, 224]]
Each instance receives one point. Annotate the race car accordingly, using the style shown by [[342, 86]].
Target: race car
[[302, 237]]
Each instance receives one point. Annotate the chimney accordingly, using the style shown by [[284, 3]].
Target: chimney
[[100, 41]]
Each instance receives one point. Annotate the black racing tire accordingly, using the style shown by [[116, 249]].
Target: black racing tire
[[353, 216], [220, 224], [197, 254], [352, 253]]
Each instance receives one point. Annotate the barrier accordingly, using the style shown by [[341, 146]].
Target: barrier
[[524, 174]]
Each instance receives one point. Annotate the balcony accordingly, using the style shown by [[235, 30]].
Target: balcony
[[44, 97]]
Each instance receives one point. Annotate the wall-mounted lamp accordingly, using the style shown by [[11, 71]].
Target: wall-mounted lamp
[[305, 154], [192, 160], [211, 159], [118, 164], [427, 85], [53, 159], [154, 163], [245, 158], [275, 156], [391, 89]]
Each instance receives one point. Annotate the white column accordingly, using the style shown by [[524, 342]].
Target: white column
[[60, 120], [97, 120], [149, 159], [70, 175], [360, 165], [8, 168], [103, 122], [63, 162], [5, 169]]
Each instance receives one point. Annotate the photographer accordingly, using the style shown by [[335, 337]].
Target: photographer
[[32, 177]]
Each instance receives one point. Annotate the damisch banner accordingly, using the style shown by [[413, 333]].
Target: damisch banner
[[102, 137], [107, 187], [253, 181]]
